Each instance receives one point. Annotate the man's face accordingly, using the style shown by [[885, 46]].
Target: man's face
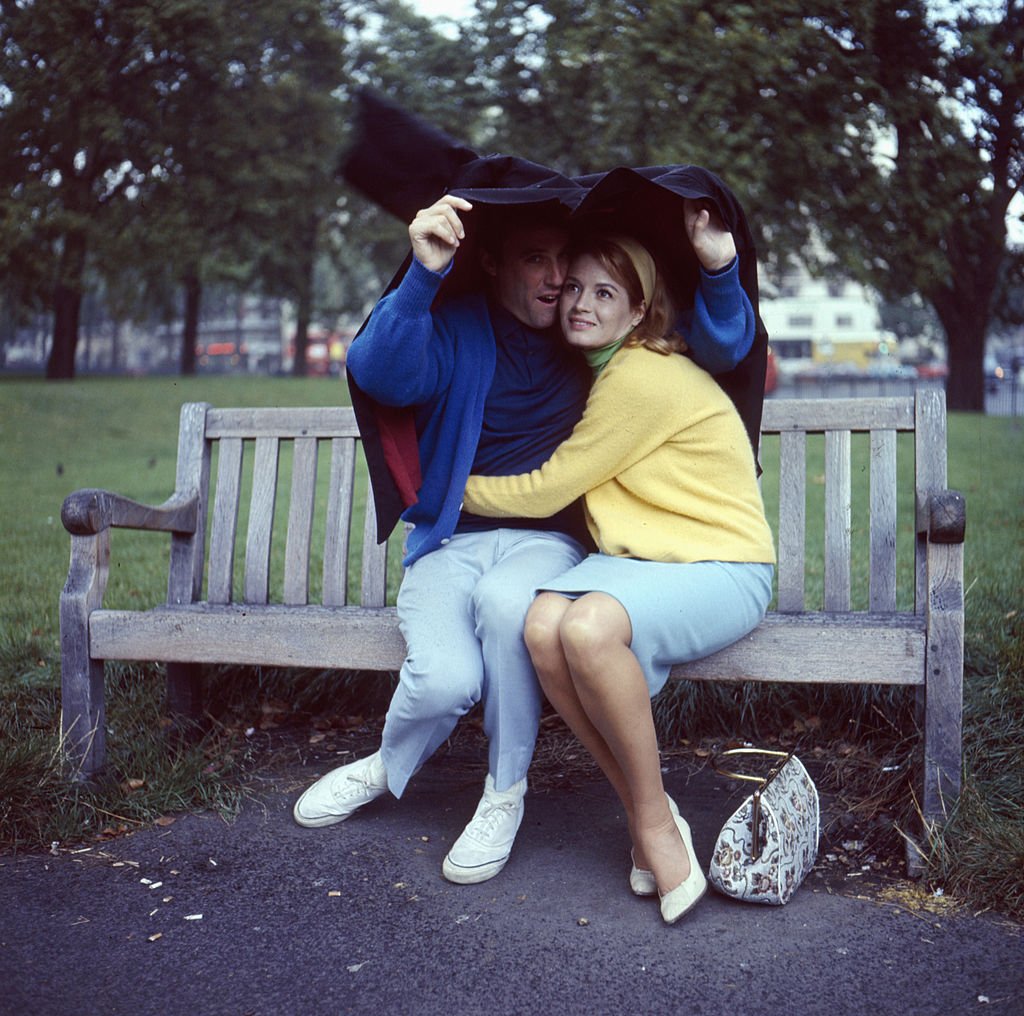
[[529, 273]]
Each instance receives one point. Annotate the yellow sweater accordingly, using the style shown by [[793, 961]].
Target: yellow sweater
[[664, 463]]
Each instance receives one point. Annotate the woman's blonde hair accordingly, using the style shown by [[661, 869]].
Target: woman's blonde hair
[[656, 330]]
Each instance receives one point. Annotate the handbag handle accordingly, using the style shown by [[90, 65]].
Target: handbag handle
[[762, 781]]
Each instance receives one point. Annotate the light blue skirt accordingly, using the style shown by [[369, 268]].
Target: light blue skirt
[[678, 612]]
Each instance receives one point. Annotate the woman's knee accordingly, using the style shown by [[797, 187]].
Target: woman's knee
[[592, 625], [541, 627]]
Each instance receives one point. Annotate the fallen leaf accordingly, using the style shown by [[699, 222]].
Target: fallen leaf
[[354, 968], [164, 820], [133, 784]]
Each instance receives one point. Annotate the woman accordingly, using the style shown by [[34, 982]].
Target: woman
[[685, 555]]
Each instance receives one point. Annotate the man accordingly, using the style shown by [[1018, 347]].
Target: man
[[494, 390]]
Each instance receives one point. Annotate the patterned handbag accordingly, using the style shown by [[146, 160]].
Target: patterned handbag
[[770, 842]]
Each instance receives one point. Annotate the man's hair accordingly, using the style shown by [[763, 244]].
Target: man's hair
[[657, 329], [498, 221]]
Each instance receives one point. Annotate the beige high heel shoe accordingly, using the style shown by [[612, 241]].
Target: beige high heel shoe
[[642, 881], [676, 902]]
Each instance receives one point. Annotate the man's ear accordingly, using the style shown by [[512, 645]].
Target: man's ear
[[488, 264]]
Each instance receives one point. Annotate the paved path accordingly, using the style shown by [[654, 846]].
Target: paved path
[[262, 917]]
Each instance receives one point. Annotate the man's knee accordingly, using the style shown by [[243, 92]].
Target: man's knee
[[440, 688]]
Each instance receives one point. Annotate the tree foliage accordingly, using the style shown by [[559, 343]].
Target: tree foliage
[[176, 143], [870, 139]]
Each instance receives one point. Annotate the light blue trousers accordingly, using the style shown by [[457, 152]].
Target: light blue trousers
[[461, 609]]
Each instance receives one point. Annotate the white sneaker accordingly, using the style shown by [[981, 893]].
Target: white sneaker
[[485, 844], [341, 792]]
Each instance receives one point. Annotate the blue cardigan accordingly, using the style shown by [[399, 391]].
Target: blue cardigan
[[442, 361]]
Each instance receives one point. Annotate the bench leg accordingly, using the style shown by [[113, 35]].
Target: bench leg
[[944, 669], [83, 714], [185, 698]]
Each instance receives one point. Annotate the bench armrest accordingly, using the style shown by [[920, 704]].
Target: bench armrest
[[947, 517], [90, 511]]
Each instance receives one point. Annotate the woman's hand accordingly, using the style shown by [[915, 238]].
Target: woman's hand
[[436, 232], [712, 242]]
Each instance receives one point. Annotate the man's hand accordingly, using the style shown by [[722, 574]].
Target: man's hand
[[436, 232], [711, 241]]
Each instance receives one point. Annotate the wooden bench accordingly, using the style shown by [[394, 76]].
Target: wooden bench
[[207, 620]]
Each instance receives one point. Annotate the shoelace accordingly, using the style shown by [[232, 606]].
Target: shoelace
[[491, 816], [342, 791]]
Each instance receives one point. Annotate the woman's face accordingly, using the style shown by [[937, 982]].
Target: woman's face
[[594, 308]]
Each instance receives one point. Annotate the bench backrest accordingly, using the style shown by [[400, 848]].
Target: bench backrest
[[272, 438], [298, 466], [881, 420]]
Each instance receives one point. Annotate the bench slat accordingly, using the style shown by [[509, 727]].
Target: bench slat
[[375, 562], [192, 477], [815, 416], [300, 522], [882, 580], [837, 520], [220, 584], [332, 638], [825, 648], [930, 475], [805, 648], [792, 517], [339, 511], [261, 520], [285, 423]]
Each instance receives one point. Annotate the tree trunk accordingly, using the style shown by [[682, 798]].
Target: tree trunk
[[304, 301], [303, 315], [965, 328], [67, 308], [190, 330]]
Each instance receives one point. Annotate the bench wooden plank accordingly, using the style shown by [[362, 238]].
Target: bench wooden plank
[[814, 648], [224, 529], [261, 520], [795, 648], [192, 478], [792, 520], [333, 638], [815, 416], [930, 475], [882, 536], [300, 521], [838, 499], [283, 423], [339, 512], [375, 570]]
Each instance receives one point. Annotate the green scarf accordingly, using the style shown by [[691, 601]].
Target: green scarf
[[598, 358]]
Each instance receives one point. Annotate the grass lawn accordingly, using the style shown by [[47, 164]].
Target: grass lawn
[[120, 434]]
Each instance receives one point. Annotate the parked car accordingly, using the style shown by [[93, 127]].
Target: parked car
[[771, 373], [933, 371]]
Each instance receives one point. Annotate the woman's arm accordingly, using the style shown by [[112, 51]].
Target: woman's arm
[[624, 420]]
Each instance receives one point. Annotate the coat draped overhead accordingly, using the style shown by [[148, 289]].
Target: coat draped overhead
[[403, 164]]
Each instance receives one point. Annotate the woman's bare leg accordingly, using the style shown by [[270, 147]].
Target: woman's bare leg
[[595, 635], [544, 643]]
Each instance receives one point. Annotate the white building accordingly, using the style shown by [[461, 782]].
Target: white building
[[813, 321]]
